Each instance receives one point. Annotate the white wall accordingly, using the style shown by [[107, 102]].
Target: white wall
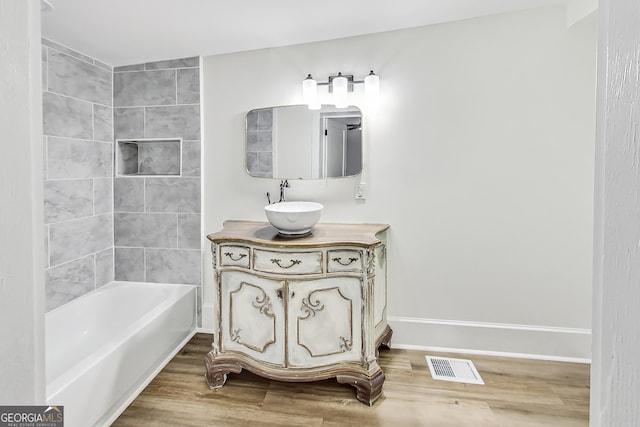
[[615, 373], [479, 156], [21, 242]]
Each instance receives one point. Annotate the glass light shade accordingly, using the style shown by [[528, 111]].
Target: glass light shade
[[310, 92], [340, 84], [372, 87]]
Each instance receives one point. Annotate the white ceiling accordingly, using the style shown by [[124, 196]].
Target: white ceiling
[[124, 32]]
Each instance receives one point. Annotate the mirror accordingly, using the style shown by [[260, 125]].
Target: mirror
[[294, 142]]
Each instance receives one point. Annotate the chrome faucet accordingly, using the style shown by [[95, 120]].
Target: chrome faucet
[[283, 184]]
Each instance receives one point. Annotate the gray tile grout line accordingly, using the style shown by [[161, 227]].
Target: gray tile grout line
[[77, 259], [76, 98], [156, 106]]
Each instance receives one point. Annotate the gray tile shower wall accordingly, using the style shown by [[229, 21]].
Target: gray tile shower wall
[[157, 219], [154, 234], [78, 172]]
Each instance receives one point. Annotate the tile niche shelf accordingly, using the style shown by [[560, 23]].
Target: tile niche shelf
[[149, 157]]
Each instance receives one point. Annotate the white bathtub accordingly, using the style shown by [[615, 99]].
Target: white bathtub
[[103, 348]]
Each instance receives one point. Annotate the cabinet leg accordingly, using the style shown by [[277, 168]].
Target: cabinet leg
[[368, 389], [384, 340], [216, 371]]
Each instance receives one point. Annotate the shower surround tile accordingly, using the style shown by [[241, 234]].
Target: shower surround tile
[[173, 266], [189, 236], [191, 158], [103, 65], [67, 117], [69, 281], [79, 79], [128, 194], [129, 264], [134, 67], [77, 238], [128, 123], [173, 63], [179, 121], [150, 230], [67, 199], [102, 196], [64, 49], [102, 123], [172, 195], [188, 86], [139, 88], [71, 158], [104, 267]]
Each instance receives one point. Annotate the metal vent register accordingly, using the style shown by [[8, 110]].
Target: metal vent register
[[457, 370]]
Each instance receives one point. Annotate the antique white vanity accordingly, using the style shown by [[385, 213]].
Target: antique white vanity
[[300, 309]]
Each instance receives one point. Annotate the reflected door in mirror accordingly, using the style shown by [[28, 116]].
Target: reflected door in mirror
[[293, 142]]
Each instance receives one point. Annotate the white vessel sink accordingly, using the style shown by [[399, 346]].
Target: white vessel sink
[[293, 218]]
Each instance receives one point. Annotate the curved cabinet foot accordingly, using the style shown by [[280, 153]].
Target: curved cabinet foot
[[368, 389], [216, 371], [385, 338]]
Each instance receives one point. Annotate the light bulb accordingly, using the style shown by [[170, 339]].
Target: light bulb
[[340, 84], [310, 92], [372, 87]]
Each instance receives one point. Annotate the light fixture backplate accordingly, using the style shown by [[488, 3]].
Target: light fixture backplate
[[349, 78]]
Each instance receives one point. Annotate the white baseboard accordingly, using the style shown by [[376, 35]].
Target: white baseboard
[[494, 339]]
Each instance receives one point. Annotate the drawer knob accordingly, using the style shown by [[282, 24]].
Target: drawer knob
[[344, 263], [293, 262], [233, 257]]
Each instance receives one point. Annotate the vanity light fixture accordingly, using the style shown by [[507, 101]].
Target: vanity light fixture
[[340, 85]]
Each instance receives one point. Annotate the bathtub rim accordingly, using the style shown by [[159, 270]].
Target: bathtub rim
[[111, 284]]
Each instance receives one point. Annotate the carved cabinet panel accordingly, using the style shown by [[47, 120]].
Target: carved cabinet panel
[[252, 318], [324, 321], [300, 309]]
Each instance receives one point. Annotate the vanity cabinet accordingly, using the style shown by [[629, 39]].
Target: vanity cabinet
[[300, 309]]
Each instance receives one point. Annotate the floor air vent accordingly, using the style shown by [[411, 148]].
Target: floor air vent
[[457, 370]]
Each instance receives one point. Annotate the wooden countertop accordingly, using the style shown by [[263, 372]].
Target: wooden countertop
[[322, 234]]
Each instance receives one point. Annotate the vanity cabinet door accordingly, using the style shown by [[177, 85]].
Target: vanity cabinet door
[[252, 316], [324, 321]]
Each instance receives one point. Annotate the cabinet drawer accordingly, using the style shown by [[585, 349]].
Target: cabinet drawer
[[287, 262], [234, 255], [344, 260]]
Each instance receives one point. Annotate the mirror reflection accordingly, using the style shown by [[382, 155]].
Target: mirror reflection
[[294, 142]]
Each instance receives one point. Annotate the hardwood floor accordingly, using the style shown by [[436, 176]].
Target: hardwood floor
[[517, 392]]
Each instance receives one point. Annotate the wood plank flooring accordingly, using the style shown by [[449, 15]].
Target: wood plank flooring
[[516, 393]]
